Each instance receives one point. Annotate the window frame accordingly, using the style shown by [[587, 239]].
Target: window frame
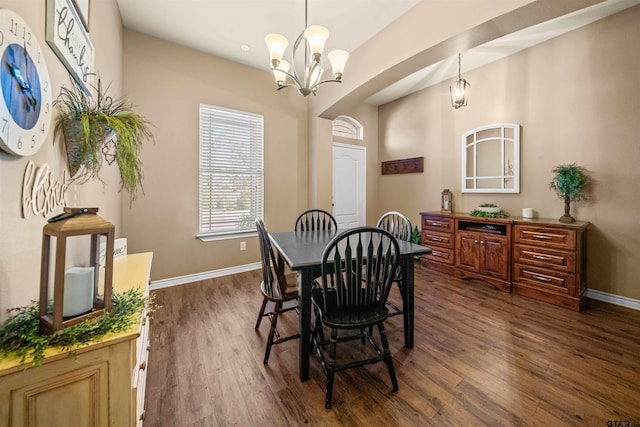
[[210, 116]]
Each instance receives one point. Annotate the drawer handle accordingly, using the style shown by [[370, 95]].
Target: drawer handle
[[542, 236], [540, 278], [543, 258], [435, 224], [143, 366], [436, 239], [436, 253]]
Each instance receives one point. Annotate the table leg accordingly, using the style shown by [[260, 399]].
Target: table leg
[[407, 299], [305, 285]]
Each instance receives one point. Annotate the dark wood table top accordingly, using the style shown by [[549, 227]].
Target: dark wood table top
[[302, 249]]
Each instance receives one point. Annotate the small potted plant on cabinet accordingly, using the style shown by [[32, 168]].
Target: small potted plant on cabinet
[[570, 184], [98, 128]]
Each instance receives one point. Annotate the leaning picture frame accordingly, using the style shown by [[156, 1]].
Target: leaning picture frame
[[82, 7]]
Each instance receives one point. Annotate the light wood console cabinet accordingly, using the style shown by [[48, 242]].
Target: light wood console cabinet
[[538, 258], [103, 385]]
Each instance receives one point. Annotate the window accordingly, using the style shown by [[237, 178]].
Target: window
[[231, 173], [347, 127]]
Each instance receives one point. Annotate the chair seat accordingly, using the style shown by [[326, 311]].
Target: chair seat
[[290, 289], [352, 318]]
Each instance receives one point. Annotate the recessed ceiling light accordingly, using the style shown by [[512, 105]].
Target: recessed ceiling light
[[245, 47]]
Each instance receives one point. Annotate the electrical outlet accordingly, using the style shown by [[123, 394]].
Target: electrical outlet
[[243, 246]]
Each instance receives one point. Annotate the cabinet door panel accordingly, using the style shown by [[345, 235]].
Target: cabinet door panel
[[468, 248], [494, 256]]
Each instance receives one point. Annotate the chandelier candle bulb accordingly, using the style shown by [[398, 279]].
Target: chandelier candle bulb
[[78, 291]]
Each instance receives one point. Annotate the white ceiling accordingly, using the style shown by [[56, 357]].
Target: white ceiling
[[223, 27]]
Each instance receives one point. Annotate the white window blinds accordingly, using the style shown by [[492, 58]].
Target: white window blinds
[[231, 174]]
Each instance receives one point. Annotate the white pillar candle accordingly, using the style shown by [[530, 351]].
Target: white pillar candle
[[78, 291], [527, 212]]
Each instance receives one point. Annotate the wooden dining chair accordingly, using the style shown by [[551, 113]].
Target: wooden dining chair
[[315, 219], [400, 227], [276, 288], [358, 266]]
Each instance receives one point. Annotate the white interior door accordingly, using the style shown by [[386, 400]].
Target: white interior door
[[349, 196]]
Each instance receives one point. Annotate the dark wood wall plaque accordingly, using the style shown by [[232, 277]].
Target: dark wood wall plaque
[[413, 165]]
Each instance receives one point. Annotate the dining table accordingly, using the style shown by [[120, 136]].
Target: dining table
[[302, 252]]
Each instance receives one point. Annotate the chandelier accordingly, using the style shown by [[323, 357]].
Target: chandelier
[[311, 40], [458, 90]]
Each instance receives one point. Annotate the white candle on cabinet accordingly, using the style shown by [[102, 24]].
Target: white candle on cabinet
[[78, 291]]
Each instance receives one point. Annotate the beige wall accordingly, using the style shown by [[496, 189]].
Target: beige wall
[[20, 239], [169, 82], [576, 97]]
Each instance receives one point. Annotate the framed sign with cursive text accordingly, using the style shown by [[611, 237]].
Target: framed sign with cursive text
[[68, 39]]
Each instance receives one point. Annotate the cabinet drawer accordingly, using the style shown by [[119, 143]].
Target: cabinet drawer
[[437, 223], [544, 278], [440, 255], [545, 258], [545, 236], [435, 238]]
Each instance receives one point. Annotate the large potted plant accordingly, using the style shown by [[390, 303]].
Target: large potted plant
[[96, 128], [570, 184]]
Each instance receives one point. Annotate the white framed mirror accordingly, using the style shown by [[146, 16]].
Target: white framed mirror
[[491, 159]]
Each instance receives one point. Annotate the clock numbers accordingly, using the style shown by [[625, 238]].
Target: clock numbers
[[26, 36], [1, 38], [33, 141], [19, 143], [45, 86], [43, 128], [5, 122], [14, 28]]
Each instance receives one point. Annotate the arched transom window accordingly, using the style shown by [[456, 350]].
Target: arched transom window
[[347, 127]]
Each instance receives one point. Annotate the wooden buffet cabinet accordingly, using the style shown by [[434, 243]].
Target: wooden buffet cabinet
[[538, 258], [104, 385]]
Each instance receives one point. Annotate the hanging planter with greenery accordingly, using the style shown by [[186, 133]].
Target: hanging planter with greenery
[[97, 128], [570, 184]]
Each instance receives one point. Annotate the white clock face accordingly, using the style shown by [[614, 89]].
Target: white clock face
[[25, 88]]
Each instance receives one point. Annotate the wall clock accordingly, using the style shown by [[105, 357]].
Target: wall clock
[[25, 88]]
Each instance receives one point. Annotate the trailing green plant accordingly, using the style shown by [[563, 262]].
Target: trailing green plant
[[483, 214], [415, 236], [21, 335], [570, 183], [95, 119]]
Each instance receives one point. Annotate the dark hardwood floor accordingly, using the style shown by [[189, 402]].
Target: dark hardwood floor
[[481, 357]]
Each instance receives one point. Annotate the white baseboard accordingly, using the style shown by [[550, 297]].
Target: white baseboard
[[174, 281], [613, 299]]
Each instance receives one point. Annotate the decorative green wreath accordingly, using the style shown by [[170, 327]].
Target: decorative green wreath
[[21, 336]]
